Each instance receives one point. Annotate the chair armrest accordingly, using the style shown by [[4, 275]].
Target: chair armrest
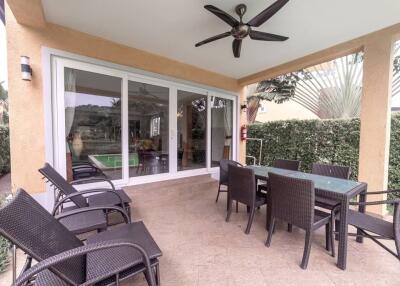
[[79, 251], [383, 192], [93, 180], [89, 209], [80, 193], [372, 203]]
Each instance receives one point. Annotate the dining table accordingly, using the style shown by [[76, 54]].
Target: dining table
[[340, 190]]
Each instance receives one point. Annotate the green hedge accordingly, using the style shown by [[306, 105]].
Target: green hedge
[[329, 141], [4, 150], [4, 243]]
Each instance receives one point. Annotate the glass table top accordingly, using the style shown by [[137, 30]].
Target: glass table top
[[320, 182]]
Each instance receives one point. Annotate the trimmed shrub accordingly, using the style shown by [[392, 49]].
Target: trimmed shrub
[[394, 156], [4, 243], [4, 150], [327, 141]]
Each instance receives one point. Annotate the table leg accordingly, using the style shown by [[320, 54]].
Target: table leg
[[361, 209], [343, 234]]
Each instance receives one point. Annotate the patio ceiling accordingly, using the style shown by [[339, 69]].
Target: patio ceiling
[[171, 28]]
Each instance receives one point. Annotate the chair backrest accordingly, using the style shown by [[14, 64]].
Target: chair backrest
[[62, 185], [336, 171], [292, 200], [292, 165], [223, 170], [241, 184], [30, 227]]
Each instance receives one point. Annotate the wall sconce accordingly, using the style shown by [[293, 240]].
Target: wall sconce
[[26, 70], [243, 106]]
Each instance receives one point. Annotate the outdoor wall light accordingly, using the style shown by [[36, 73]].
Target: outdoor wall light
[[243, 106], [26, 70]]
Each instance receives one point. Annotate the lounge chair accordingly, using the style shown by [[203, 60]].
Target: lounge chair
[[107, 258], [96, 197]]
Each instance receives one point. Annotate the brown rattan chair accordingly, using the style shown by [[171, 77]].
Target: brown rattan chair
[[242, 188], [223, 176], [335, 171], [292, 165], [293, 201], [66, 193], [107, 257], [375, 228]]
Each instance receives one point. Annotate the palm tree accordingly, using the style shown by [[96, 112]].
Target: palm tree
[[329, 90]]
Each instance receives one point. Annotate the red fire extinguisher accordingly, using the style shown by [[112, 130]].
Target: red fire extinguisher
[[243, 132]]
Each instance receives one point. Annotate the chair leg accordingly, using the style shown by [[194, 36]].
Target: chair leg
[[332, 239], [228, 215], [157, 269], [250, 222], [219, 189], [270, 231], [289, 227], [327, 237], [237, 206], [248, 209], [307, 249]]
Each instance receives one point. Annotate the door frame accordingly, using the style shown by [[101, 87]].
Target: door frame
[[54, 61]]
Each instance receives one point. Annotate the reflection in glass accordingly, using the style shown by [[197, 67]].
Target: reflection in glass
[[192, 130], [92, 124], [221, 129], [148, 109]]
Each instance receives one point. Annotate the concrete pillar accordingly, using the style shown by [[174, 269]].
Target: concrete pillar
[[375, 116], [243, 121]]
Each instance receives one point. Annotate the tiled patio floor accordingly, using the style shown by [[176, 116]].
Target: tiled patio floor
[[200, 248]]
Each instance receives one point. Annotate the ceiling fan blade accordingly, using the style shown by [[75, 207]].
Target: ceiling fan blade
[[261, 36], [261, 18], [217, 37], [222, 15], [236, 46]]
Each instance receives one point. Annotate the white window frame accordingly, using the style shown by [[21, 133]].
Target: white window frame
[[53, 63]]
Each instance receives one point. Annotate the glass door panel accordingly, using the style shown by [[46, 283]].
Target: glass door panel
[[221, 129], [148, 121], [92, 105], [191, 130]]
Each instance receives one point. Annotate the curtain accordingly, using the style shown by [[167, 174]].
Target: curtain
[[228, 109], [70, 100]]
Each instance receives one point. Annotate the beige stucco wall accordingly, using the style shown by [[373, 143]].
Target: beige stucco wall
[[284, 111], [26, 98]]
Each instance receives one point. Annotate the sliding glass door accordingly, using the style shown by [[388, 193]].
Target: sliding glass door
[[148, 112], [192, 130], [92, 128], [222, 123], [133, 128]]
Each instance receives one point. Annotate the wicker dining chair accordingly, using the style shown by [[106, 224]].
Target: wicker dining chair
[[106, 259], [376, 228], [335, 171], [292, 165], [242, 188], [293, 201], [223, 177], [66, 192]]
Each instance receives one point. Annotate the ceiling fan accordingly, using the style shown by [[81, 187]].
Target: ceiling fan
[[241, 30]]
